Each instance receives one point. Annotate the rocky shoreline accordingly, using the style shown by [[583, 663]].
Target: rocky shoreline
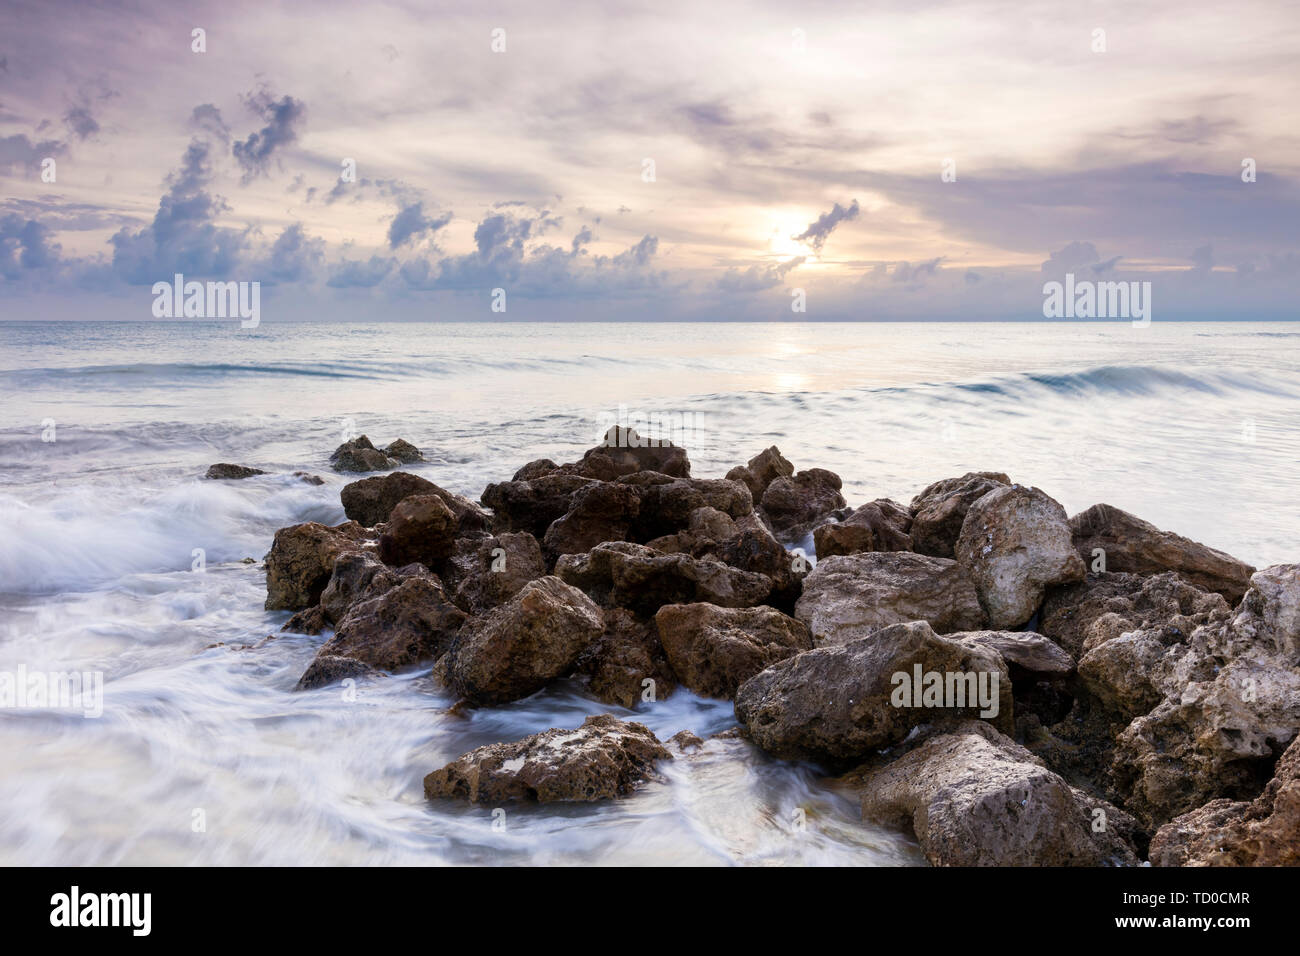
[[1012, 685]]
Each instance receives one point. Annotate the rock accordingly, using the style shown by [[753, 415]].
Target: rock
[[939, 511], [667, 507], [490, 571], [624, 658], [1014, 544], [847, 597], [301, 561], [1231, 704], [880, 525], [357, 576], [536, 469], [839, 704], [1032, 653], [1088, 613], [976, 798], [623, 452], [407, 624], [797, 505], [533, 504], [232, 472], [684, 740], [1263, 832], [403, 451], [634, 576], [421, 528], [754, 549], [714, 650], [327, 669], [518, 648], [602, 759], [762, 470], [372, 500], [601, 511], [1131, 544], [360, 455], [308, 479], [308, 621]]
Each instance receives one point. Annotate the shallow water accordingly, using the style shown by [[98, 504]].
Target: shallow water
[[1192, 426]]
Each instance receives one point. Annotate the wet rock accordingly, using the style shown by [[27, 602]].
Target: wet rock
[[327, 669], [1014, 544], [684, 741], [536, 469], [976, 798], [301, 561], [533, 504], [839, 704], [880, 525], [359, 576], [225, 471], [1262, 832], [627, 664], [939, 511], [371, 501], [1088, 613], [490, 571], [714, 650], [518, 648], [601, 511], [403, 451], [420, 529], [407, 624], [360, 455], [761, 471], [667, 507], [796, 505], [309, 479], [602, 759], [634, 576], [847, 597], [1131, 544], [623, 451], [311, 620]]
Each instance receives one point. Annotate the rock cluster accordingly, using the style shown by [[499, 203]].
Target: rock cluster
[[1012, 685]]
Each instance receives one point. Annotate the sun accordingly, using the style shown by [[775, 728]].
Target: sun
[[781, 240]]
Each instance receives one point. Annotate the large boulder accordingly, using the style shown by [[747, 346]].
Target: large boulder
[[761, 471], [372, 500], [627, 664], [602, 759], [487, 572], [301, 560], [1014, 544], [714, 650], [798, 504], [847, 597], [421, 528], [637, 577], [666, 507], [974, 797], [358, 455], [601, 511], [880, 525], [839, 704], [939, 511], [358, 576], [409, 623], [1131, 544], [403, 451], [1085, 614], [1261, 832], [518, 648], [531, 504]]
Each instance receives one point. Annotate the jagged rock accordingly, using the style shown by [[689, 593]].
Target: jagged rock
[[360, 455], [307, 621], [357, 576], [308, 479], [301, 561], [327, 669], [1041, 673], [601, 511], [487, 572], [714, 650], [226, 471], [624, 658], [408, 623], [622, 452], [403, 451], [1262, 832], [666, 507], [1131, 544], [976, 798], [797, 505], [761, 471], [847, 597], [1088, 613], [939, 510], [531, 505], [839, 704], [880, 525], [634, 576], [535, 469], [421, 528], [372, 500], [517, 648], [602, 759], [1014, 544]]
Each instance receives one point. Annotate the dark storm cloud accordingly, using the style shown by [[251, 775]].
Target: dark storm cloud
[[283, 117], [818, 232]]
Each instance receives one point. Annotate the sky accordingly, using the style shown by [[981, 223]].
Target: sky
[[664, 160]]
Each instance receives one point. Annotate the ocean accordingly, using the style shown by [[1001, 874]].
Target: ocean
[[205, 754]]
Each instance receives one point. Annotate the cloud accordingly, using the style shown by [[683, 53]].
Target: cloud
[[1075, 255], [363, 275], [18, 150], [294, 256], [757, 277], [818, 232], [283, 117], [411, 222], [906, 272], [80, 123], [25, 244], [207, 118]]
